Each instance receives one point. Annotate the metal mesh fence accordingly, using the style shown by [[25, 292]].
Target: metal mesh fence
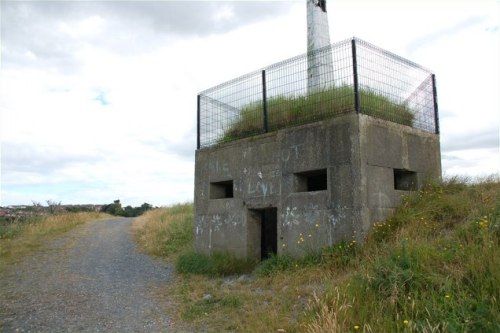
[[222, 108], [349, 76], [393, 88]]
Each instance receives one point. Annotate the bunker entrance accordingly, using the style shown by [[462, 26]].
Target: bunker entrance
[[264, 242]]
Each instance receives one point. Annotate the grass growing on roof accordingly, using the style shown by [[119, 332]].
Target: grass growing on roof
[[286, 111]]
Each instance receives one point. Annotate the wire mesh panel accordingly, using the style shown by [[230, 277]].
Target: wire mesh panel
[[297, 95], [232, 110], [330, 81], [421, 102], [393, 88]]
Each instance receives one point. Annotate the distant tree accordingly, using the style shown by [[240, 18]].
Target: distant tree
[[53, 206], [37, 206], [129, 211], [144, 207], [116, 209]]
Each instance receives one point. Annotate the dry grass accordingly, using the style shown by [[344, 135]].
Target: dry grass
[[276, 303], [31, 234], [329, 317], [165, 231]]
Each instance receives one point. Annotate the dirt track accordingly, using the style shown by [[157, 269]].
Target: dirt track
[[92, 279]]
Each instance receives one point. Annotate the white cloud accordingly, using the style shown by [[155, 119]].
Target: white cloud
[[225, 13], [84, 28], [98, 99]]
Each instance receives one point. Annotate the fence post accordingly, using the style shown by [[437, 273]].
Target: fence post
[[264, 100], [198, 143], [434, 95], [355, 76]]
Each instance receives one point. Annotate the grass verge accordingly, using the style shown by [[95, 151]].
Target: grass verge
[[165, 232], [432, 267], [22, 237]]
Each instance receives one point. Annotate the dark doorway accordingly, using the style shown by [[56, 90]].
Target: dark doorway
[[269, 233], [262, 233]]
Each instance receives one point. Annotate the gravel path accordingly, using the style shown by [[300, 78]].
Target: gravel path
[[92, 279]]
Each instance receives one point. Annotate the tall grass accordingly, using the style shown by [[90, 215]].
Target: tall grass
[[286, 111], [21, 237], [165, 231], [434, 266]]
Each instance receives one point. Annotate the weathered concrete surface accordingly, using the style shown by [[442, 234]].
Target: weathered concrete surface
[[359, 158], [386, 146]]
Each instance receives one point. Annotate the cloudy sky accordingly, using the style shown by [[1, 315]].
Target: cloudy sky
[[98, 98]]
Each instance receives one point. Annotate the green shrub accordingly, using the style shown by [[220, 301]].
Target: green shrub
[[275, 263], [217, 264], [340, 255], [399, 273]]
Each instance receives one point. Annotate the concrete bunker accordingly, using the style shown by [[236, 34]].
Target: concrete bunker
[[293, 171]]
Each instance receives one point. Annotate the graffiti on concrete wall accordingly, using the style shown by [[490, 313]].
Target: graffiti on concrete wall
[[219, 167], [335, 220], [312, 219], [211, 225], [262, 184], [287, 154]]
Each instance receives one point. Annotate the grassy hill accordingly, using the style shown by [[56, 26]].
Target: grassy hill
[[433, 267]]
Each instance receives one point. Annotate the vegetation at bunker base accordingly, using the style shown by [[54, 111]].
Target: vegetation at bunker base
[[432, 267], [286, 111]]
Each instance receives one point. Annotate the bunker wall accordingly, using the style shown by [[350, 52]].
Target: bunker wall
[[324, 182]]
